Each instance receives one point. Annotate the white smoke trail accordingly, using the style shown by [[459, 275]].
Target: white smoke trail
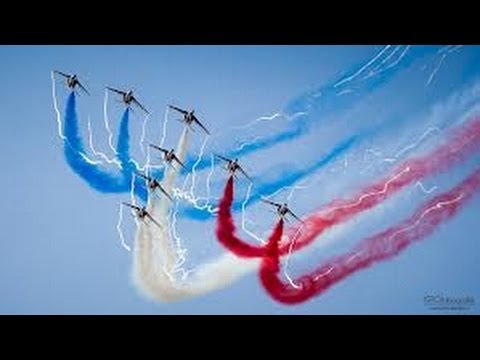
[[425, 190], [106, 122], [189, 196], [343, 92], [287, 259], [164, 128], [210, 174], [257, 120], [446, 51], [158, 285], [181, 251], [373, 193], [88, 160], [292, 243], [392, 53], [242, 145], [55, 106], [59, 123], [119, 228], [153, 250], [194, 167], [146, 149], [396, 157], [244, 217], [377, 70], [437, 206], [96, 152], [413, 145], [363, 68], [155, 256], [142, 136]]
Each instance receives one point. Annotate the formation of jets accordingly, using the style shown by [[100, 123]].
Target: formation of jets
[[169, 156]]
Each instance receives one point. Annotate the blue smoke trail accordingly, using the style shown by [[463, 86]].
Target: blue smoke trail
[[123, 143], [141, 190], [284, 180], [316, 104], [128, 166], [97, 178], [333, 96]]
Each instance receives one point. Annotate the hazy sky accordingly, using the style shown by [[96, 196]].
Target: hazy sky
[[61, 253]]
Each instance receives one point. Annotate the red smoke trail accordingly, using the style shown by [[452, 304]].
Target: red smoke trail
[[226, 229], [379, 247], [460, 144], [271, 248]]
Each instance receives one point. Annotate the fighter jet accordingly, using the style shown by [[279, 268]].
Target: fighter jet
[[128, 98], [282, 209], [169, 155], [232, 166], [141, 213], [153, 184], [189, 117], [72, 81]]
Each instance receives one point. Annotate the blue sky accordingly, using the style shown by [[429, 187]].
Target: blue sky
[[61, 252]]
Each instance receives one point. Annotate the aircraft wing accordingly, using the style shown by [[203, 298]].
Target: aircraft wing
[[83, 88], [159, 148], [131, 206], [154, 221], [269, 202], [61, 73], [116, 90], [165, 192], [222, 158], [245, 174], [140, 106], [184, 112], [295, 216], [181, 163], [201, 125], [142, 176]]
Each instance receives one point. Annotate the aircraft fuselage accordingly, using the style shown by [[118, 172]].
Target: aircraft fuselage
[[233, 166], [282, 210], [152, 184], [169, 156], [128, 98], [189, 117], [142, 213], [72, 81]]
